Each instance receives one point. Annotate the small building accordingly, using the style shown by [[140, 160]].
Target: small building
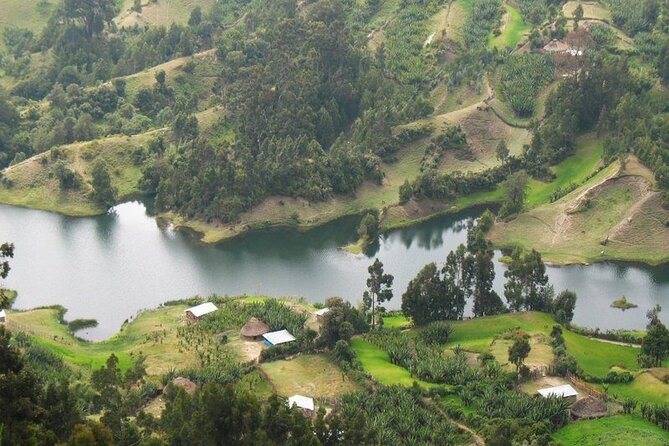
[[588, 408], [303, 403], [254, 329], [322, 312], [278, 337], [196, 313], [556, 46], [3, 316], [564, 391], [189, 386]]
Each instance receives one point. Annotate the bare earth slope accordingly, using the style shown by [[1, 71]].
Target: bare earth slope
[[617, 215]]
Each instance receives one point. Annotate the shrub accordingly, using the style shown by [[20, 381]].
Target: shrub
[[279, 351], [437, 332], [521, 79]]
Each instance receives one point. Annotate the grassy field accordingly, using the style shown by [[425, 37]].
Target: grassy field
[[26, 14], [36, 187], [514, 29], [616, 215], [153, 333], [477, 334], [455, 20], [204, 73], [595, 357], [398, 321], [646, 387], [574, 169], [591, 10], [160, 13], [377, 363], [310, 375], [621, 430]]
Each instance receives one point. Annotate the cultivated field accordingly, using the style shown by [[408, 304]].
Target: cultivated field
[[313, 375]]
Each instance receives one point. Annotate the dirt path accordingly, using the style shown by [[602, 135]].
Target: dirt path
[[478, 440], [624, 344]]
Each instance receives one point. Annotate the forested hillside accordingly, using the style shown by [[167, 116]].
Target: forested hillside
[[242, 114]]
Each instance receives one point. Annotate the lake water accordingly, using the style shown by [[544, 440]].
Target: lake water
[[110, 267]]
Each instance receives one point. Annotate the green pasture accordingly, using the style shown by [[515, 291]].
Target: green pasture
[[620, 430], [512, 32]]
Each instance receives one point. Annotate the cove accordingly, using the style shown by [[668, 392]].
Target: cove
[[110, 267]]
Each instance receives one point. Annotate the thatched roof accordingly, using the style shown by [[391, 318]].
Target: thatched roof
[[189, 386], [556, 46], [589, 407], [254, 327]]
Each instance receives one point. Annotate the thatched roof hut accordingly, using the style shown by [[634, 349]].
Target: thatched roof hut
[[589, 407], [254, 328], [189, 386]]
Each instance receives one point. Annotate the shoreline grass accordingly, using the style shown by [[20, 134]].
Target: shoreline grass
[[152, 333]]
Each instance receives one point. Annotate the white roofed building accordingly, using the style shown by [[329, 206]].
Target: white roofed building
[[320, 313], [563, 391], [304, 403], [3, 316], [278, 337], [198, 311]]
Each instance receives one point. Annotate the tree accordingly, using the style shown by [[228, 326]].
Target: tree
[[655, 345], [502, 152], [343, 351], [6, 252], [103, 190], [578, 15], [527, 286], [406, 192], [94, 14], [515, 192], [563, 306], [518, 351], [84, 129], [28, 413], [137, 5], [195, 16], [341, 322], [185, 128], [486, 300], [368, 231], [653, 315], [379, 288], [91, 434], [421, 299]]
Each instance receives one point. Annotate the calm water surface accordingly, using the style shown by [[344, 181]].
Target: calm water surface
[[110, 267]]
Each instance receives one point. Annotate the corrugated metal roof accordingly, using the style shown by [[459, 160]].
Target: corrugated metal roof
[[303, 402], [563, 391], [322, 311], [202, 309], [279, 337]]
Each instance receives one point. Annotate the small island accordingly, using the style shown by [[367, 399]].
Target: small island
[[623, 304], [368, 233]]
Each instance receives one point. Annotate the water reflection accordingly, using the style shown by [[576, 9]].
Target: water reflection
[[111, 266]]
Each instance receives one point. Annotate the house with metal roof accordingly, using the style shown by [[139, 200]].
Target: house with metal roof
[[278, 337], [564, 391], [196, 313]]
